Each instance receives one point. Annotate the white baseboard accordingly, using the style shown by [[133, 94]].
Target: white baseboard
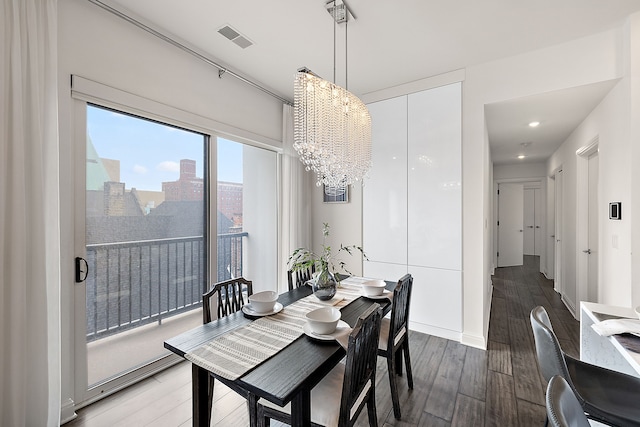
[[436, 331], [67, 411], [474, 341], [571, 307]]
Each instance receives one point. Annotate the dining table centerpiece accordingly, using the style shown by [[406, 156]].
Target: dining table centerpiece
[[326, 264]]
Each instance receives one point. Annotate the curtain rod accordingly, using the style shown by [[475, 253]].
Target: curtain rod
[[221, 70]]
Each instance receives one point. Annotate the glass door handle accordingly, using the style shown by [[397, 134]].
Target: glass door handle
[[79, 271]]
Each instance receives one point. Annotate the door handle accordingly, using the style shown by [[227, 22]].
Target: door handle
[[520, 231], [537, 226], [529, 226], [79, 271], [588, 252]]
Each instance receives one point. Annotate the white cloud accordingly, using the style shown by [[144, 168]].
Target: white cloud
[[140, 170], [168, 166]]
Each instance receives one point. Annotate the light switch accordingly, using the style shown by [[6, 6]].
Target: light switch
[[614, 241]]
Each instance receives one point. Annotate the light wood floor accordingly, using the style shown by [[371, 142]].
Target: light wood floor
[[454, 385]]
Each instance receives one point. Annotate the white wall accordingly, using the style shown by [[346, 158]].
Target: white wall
[[523, 171], [610, 123], [345, 221], [99, 46], [632, 29], [489, 248]]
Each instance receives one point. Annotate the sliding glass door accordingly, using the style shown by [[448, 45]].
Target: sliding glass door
[[154, 234], [145, 240]]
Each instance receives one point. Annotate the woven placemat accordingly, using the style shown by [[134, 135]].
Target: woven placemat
[[239, 351]]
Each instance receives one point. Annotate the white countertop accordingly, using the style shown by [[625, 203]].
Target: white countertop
[[597, 349]]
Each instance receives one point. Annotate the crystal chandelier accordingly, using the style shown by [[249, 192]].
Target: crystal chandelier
[[332, 128]]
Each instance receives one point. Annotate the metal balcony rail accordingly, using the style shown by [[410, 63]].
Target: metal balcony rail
[[131, 284]]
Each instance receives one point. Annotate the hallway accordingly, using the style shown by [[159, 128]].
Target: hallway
[[513, 375]]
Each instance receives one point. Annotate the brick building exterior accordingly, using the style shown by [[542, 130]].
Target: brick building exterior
[[187, 187]]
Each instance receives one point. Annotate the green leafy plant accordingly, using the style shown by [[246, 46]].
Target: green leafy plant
[[303, 258]]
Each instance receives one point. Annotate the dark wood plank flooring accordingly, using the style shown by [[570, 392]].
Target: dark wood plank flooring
[[454, 385]]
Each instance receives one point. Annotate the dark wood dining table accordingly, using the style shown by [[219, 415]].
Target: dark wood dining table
[[288, 376]]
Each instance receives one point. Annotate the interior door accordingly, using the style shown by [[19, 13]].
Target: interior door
[[592, 250], [559, 271], [538, 222], [532, 221], [510, 224], [529, 221]]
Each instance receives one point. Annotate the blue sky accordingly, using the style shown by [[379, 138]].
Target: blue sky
[[150, 153]]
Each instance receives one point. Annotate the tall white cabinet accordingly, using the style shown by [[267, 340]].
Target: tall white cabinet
[[412, 203]]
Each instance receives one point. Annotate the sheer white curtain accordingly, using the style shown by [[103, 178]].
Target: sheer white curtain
[[29, 215], [296, 197]]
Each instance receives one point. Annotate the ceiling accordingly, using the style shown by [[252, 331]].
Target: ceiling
[[392, 43], [558, 113]]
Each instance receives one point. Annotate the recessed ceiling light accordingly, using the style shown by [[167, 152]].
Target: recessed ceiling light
[[534, 124], [521, 156]]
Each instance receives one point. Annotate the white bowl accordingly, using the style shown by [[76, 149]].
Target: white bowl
[[638, 311], [323, 320], [373, 288], [263, 302]]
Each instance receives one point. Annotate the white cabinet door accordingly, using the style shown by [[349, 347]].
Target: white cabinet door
[[436, 301], [383, 270], [435, 178], [385, 192], [412, 218]]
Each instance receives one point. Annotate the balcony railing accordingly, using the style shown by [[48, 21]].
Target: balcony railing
[[131, 284]]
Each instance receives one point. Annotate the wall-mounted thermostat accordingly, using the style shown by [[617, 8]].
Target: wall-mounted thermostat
[[615, 210]]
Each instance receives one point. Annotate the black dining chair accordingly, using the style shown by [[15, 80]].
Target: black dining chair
[[607, 396], [223, 299], [340, 396], [563, 408], [298, 278], [394, 339]]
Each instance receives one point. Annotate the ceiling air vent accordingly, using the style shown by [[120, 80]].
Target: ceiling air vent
[[235, 36]]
